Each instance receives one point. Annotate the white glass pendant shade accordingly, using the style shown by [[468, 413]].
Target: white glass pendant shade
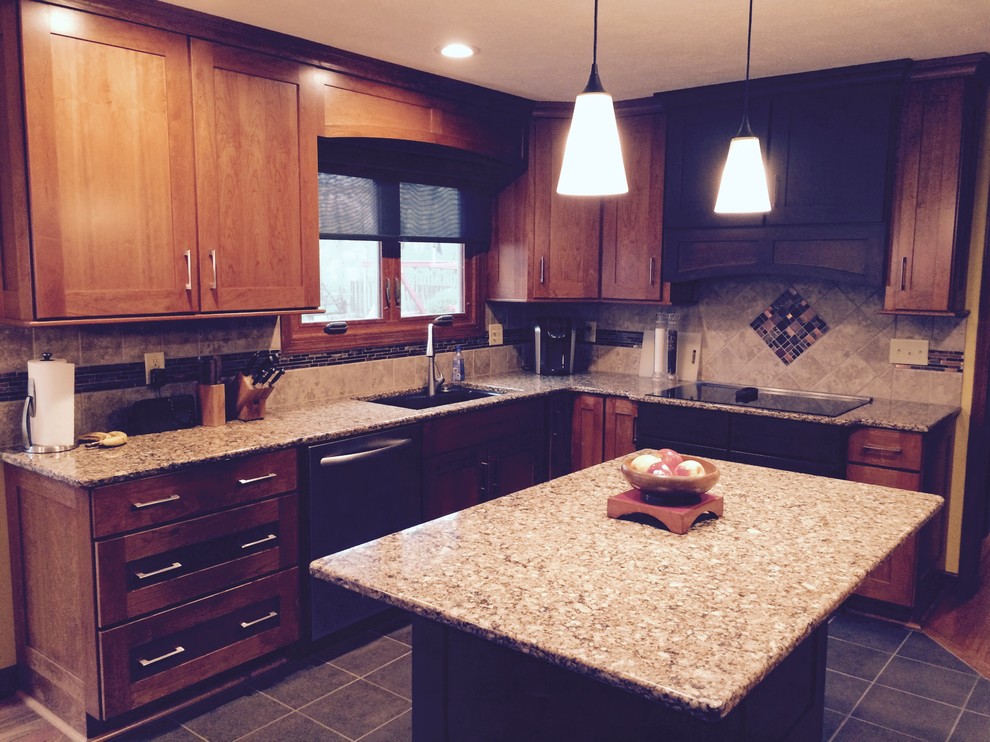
[[743, 189], [592, 154]]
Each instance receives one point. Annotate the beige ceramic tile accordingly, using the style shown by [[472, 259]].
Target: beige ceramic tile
[[100, 344], [140, 338], [61, 342], [946, 388], [16, 348]]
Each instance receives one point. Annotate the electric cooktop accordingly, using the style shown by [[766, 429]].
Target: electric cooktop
[[782, 400]]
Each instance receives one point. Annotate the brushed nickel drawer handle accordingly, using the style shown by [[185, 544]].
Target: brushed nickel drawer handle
[[266, 539], [249, 624], [152, 503], [163, 570], [884, 449], [262, 478], [178, 650]]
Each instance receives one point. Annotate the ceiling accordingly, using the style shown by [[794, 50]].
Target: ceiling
[[541, 49]]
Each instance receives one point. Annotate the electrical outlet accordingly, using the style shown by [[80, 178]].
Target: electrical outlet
[[912, 352], [590, 331], [151, 361], [494, 334]]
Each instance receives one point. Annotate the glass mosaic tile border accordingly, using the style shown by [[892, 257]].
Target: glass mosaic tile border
[[789, 326]]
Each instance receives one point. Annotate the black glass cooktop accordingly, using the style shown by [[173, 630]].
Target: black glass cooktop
[[783, 400]]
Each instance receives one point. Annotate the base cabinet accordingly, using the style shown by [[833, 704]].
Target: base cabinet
[[159, 583], [603, 428], [481, 455]]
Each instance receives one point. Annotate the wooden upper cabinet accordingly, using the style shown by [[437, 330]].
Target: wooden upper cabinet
[[110, 158], [632, 225], [933, 187], [566, 228], [257, 118]]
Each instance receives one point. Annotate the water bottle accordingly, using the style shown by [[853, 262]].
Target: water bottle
[[457, 375]]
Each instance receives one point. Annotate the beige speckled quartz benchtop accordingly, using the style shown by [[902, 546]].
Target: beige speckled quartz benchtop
[[692, 621], [157, 453]]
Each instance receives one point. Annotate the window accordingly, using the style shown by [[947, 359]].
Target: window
[[397, 247]]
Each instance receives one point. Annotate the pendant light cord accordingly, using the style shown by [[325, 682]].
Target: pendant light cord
[[744, 129], [594, 82], [594, 47]]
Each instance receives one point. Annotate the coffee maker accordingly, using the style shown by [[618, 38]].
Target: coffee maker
[[554, 340]]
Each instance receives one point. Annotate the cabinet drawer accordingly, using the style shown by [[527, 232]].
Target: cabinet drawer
[[708, 428], [902, 480], [147, 659], [164, 566], [789, 439], [896, 449], [200, 489]]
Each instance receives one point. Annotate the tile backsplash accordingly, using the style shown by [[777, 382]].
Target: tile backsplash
[[851, 358]]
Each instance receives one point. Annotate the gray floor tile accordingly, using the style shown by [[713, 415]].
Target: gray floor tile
[[163, 730], [292, 728], [842, 692], [356, 709], [855, 730], [833, 720], [922, 679], [396, 676], [920, 647], [231, 715], [906, 713], [980, 700], [297, 683], [880, 635], [361, 660], [971, 728], [854, 659], [397, 730], [403, 634]]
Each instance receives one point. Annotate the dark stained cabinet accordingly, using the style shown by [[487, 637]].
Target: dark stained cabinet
[[604, 428], [934, 184], [826, 139]]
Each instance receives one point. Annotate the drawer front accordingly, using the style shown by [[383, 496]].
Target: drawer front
[[140, 503], [699, 427], [790, 439], [482, 426], [896, 449], [147, 659], [160, 567], [902, 480]]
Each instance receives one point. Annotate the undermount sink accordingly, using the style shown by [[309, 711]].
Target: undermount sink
[[420, 400]]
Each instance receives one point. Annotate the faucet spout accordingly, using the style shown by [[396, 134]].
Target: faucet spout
[[434, 379]]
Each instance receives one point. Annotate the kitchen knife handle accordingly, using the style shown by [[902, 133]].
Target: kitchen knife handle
[[188, 257], [213, 265], [653, 263]]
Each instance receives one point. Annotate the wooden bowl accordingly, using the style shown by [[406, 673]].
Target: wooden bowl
[[671, 487]]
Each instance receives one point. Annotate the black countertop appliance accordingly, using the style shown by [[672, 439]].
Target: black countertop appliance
[[554, 339]]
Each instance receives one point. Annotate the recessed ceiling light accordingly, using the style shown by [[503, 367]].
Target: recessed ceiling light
[[457, 50]]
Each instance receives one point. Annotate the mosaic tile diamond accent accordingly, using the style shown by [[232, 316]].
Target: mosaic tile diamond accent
[[789, 326]]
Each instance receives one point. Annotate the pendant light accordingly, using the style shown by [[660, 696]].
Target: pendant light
[[743, 189], [592, 154]]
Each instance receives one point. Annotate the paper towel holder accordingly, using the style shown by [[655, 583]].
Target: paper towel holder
[[29, 411]]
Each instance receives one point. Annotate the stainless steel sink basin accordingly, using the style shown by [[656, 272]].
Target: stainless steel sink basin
[[420, 400]]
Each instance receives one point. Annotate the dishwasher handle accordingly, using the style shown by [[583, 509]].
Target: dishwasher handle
[[346, 458]]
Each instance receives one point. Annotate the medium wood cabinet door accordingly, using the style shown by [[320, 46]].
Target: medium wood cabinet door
[[924, 264], [632, 225], [586, 433], [109, 141], [567, 228], [620, 427], [454, 481], [257, 119]]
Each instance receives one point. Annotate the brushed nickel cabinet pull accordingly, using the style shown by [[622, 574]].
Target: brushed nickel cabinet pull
[[144, 663], [269, 617], [163, 570], [893, 451], [542, 273], [903, 271], [266, 539], [262, 478], [188, 256], [213, 264], [152, 503], [653, 262]]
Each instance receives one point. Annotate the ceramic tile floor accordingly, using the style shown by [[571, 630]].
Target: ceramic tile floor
[[885, 683]]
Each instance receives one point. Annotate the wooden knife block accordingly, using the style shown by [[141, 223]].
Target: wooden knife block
[[212, 404], [249, 401]]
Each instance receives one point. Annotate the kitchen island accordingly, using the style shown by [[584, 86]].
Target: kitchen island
[[539, 617]]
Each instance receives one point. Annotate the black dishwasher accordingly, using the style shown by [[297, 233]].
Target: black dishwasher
[[359, 489]]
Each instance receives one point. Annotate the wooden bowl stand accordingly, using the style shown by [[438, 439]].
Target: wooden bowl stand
[[677, 518]]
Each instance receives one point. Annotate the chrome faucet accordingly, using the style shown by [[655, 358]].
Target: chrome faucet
[[434, 379]]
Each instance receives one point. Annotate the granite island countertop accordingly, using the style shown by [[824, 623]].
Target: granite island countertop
[[693, 621], [157, 453]]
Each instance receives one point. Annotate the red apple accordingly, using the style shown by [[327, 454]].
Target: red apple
[[670, 457], [660, 469], [689, 468]]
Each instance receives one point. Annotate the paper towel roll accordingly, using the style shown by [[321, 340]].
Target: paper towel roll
[[53, 422]]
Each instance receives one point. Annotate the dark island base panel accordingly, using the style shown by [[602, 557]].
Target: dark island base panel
[[465, 687]]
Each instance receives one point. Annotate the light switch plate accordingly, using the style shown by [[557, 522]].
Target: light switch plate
[[912, 352], [494, 334]]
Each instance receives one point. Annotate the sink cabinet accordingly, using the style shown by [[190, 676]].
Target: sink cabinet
[[472, 457], [137, 591], [603, 429], [187, 165]]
